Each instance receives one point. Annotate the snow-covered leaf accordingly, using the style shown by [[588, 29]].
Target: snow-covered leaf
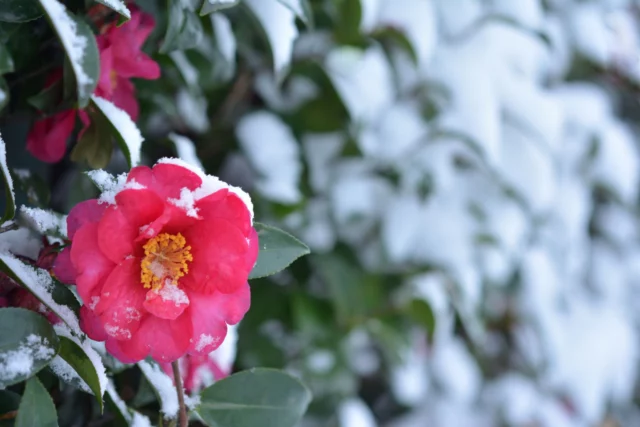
[[46, 222], [6, 61], [79, 44], [210, 6], [118, 6], [10, 200], [78, 363], [301, 8], [36, 407], [186, 150], [4, 93], [277, 163], [255, 398], [27, 344], [278, 249], [163, 387], [184, 30], [32, 185], [279, 25], [44, 287], [19, 10], [124, 129]]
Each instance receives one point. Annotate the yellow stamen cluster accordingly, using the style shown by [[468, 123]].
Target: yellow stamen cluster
[[165, 257], [113, 76]]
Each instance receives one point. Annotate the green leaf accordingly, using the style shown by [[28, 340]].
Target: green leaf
[[48, 99], [347, 30], [305, 13], [4, 93], [44, 221], [255, 398], [355, 295], [422, 313], [124, 130], [19, 10], [117, 6], [117, 406], [210, 6], [6, 61], [79, 44], [76, 357], [278, 249], [95, 145], [10, 198], [27, 344], [9, 402], [184, 30], [36, 407], [32, 185]]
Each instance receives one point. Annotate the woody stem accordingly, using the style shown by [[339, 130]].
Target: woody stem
[[184, 421]]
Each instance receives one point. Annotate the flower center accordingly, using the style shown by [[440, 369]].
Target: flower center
[[113, 76], [165, 259]]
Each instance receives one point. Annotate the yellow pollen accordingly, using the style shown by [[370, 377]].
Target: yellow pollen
[[165, 258], [113, 76]]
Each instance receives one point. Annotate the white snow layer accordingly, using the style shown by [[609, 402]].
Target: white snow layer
[[124, 126], [279, 24], [163, 384]]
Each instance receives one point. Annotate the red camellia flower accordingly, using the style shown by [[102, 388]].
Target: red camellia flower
[[121, 59], [161, 261]]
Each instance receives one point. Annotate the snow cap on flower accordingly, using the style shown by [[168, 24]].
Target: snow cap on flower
[[161, 261]]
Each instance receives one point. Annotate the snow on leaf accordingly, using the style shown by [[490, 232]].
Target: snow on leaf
[[118, 402], [20, 361], [108, 184], [80, 46], [117, 5], [353, 73], [210, 6], [41, 284], [126, 132], [46, 222], [277, 163], [163, 385], [95, 359], [10, 198], [279, 25], [186, 150], [301, 8], [225, 39]]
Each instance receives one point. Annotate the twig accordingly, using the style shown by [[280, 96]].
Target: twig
[[10, 227], [184, 421]]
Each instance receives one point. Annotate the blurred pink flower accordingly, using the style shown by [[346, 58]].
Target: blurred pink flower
[[121, 59]]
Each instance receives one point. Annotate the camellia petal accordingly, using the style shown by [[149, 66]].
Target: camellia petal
[[164, 340], [167, 180], [219, 257], [47, 139], [140, 207], [84, 213], [225, 205], [91, 324], [168, 302], [120, 306], [116, 235], [63, 268], [91, 266]]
